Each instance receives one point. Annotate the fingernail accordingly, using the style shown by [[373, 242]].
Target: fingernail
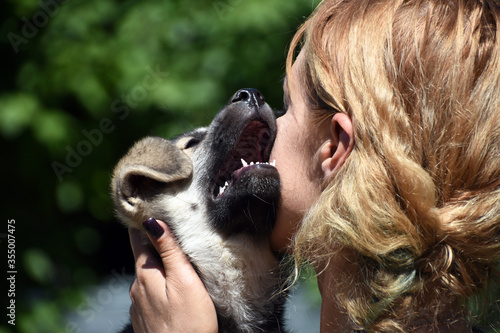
[[153, 228]]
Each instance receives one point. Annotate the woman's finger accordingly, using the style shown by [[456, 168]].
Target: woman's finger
[[177, 266]]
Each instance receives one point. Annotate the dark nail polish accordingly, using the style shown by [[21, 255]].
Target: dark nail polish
[[153, 228]]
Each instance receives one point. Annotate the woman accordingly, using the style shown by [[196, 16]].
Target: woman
[[389, 155]]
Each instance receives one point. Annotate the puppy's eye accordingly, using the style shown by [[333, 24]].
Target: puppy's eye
[[191, 143]]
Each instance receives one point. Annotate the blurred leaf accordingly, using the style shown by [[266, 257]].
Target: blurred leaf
[[16, 113], [51, 127], [308, 277], [45, 317], [69, 196], [90, 91], [38, 265]]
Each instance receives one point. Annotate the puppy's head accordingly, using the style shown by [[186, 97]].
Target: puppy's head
[[222, 170], [241, 187]]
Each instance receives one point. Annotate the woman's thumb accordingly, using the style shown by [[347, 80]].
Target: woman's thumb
[[173, 258]]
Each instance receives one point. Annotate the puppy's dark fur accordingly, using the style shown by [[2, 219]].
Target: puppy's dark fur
[[220, 209]]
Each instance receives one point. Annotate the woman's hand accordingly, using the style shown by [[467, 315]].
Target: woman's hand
[[167, 295]]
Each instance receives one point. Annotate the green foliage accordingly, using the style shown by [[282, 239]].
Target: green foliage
[[38, 265], [82, 80]]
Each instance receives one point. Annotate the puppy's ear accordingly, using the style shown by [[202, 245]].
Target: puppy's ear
[[151, 167]]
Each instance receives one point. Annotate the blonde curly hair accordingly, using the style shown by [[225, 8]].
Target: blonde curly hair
[[418, 199]]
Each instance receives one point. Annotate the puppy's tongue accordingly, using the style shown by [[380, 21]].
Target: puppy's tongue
[[249, 166]]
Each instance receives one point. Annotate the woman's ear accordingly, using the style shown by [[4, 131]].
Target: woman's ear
[[335, 151]]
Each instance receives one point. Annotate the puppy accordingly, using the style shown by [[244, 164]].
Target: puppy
[[218, 193]]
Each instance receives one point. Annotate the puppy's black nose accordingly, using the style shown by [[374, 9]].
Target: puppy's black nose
[[252, 96]]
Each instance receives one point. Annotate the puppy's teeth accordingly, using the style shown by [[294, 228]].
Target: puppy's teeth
[[244, 163], [252, 163], [273, 163], [221, 190]]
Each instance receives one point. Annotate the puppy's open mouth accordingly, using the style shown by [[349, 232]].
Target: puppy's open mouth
[[250, 154]]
